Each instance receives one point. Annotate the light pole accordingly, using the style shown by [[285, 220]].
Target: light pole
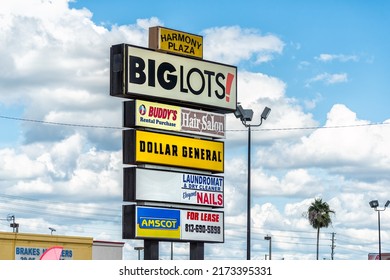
[[139, 251], [245, 115], [51, 230], [269, 246], [374, 204], [13, 225]]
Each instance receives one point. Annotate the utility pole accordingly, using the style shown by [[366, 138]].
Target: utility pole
[[333, 246]]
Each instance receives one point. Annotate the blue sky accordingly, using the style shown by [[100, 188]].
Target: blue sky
[[321, 65], [352, 30]]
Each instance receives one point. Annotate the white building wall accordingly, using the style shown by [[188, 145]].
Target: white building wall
[[106, 250]]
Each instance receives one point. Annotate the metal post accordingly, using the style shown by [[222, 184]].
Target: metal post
[[269, 238], [139, 251], [379, 232], [151, 251], [248, 222], [374, 204], [196, 250], [246, 115], [270, 248], [171, 250]]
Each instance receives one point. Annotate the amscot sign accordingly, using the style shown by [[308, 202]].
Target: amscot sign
[[142, 222], [172, 150], [137, 72], [140, 113], [141, 184]]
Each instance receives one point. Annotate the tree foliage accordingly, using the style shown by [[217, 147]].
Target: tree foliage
[[319, 214], [319, 217]]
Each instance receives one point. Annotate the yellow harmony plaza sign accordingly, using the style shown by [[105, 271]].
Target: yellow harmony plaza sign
[[174, 41], [144, 147]]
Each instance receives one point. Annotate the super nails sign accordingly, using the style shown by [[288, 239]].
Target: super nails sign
[[143, 73]]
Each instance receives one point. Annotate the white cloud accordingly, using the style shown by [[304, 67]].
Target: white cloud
[[55, 64], [329, 79], [336, 148], [231, 44], [256, 91], [340, 57], [18, 166]]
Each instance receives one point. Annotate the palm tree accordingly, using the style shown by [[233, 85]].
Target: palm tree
[[318, 214]]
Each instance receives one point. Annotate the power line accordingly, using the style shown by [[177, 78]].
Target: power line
[[259, 129], [59, 123]]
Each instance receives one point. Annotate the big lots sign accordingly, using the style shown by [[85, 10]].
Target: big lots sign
[[148, 74]]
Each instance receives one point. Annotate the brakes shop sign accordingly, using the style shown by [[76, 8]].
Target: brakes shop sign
[[143, 73]]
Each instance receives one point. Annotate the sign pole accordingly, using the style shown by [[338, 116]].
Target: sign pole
[[151, 251], [196, 250]]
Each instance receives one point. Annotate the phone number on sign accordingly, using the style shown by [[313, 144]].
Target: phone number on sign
[[203, 229]]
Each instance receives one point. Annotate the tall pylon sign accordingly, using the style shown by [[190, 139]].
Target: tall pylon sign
[[173, 150]]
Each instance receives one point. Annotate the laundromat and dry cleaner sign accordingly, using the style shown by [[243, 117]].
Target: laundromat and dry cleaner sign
[[137, 72], [145, 147], [141, 222], [139, 113], [154, 185]]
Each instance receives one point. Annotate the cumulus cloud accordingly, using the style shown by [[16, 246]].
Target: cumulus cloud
[[55, 65], [337, 148], [257, 91], [231, 44]]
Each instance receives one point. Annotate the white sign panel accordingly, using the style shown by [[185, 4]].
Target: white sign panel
[[198, 224], [154, 75], [175, 187]]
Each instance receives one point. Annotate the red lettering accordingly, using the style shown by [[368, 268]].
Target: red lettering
[[220, 200], [192, 215], [162, 113], [209, 198], [208, 217]]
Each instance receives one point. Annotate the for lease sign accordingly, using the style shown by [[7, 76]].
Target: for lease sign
[[172, 224], [139, 72]]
